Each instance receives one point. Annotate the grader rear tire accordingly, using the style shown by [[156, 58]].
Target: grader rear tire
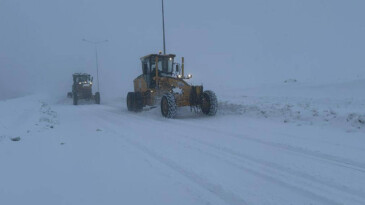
[[168, 105], [209, 104], [134, 101], [97, 98], [138, 102], [130, 101]]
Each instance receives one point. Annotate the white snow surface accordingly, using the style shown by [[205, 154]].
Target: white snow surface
[[289, 143]]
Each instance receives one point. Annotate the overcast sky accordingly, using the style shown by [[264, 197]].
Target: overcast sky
[[233, 43]]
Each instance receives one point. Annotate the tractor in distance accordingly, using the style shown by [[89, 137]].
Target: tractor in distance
[[82, 88], [163, 82]]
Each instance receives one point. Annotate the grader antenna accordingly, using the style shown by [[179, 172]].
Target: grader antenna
[[163, 29]]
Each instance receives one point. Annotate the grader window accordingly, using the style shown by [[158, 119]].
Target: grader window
[[170, 64], [82, 78], [144, 68], [165, 65]]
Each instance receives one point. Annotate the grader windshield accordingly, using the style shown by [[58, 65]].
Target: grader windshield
[[165, 64], [82, 78]]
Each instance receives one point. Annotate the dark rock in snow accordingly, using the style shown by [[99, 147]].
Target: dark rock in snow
[[15, 139], [290, 81]]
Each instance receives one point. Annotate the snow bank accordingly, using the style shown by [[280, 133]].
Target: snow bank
[[341, 105]]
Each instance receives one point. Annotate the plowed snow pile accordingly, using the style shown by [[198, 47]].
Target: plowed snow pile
[[338, 105]]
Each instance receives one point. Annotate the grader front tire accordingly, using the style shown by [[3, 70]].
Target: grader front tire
[[168, 106], [75, 98]]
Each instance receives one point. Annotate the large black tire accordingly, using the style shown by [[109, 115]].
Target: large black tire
[[75, 98], [134, 101], [97, 98], [138, 102], [209, 104], [130, 101], [168, 105]]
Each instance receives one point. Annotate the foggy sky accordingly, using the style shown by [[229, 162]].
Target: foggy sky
[[234, 43]]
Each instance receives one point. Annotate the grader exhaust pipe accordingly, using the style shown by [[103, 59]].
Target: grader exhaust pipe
[[182, 67], [156, 78]]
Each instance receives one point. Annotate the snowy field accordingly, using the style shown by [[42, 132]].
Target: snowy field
[[289, 143]]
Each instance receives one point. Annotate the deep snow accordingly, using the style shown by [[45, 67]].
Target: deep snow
[[289, 143]]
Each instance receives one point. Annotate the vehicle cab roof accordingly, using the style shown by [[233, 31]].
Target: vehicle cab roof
[[159, 55], [81, 74]]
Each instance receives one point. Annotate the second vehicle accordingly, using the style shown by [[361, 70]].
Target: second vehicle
[[82, 88]]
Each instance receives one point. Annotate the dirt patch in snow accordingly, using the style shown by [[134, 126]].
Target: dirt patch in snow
[[356, 120], [48, 117]]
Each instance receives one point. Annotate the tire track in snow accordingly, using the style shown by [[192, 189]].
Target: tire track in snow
[[300, 191], [339, 161], [334, 160], [228, 197], [354, 193], [259, 174]]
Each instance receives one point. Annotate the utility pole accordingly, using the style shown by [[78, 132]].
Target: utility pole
[[95, 43]]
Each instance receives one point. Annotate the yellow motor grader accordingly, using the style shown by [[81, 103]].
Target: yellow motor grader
[[163, 83], [82, 88]]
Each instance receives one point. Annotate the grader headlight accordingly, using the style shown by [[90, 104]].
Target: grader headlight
[[190, 76]]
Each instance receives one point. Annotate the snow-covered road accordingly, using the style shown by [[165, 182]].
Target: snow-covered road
[[103, 154]]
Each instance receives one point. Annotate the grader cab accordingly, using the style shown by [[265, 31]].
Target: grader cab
[[163, 83]]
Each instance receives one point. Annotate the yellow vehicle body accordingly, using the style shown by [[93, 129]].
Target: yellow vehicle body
[[161, 84], [167, 84]]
